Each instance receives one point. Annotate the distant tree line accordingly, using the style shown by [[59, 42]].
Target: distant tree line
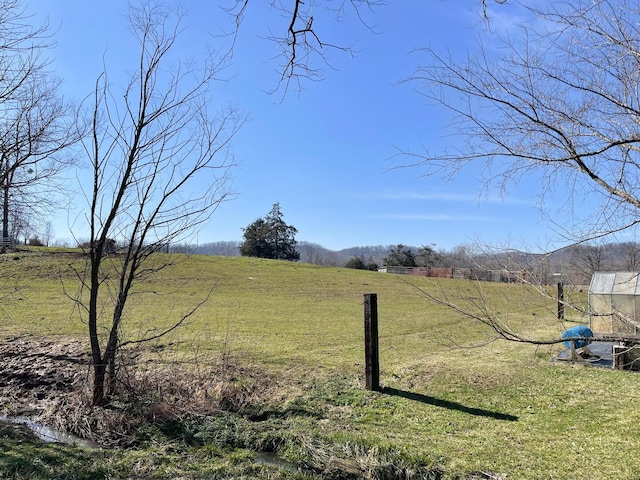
[[401, 256], [572, 265]]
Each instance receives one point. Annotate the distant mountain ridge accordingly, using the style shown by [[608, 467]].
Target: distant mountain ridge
[[574, 264]]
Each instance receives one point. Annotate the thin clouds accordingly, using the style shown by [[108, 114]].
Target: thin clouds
[[440, 217], [455, 197]]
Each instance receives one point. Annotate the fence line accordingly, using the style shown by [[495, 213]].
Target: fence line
[[505, 276]]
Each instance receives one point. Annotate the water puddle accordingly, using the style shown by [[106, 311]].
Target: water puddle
[[270, 458], [47, 434]]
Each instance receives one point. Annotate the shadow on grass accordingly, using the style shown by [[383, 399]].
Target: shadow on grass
[[437, 402]]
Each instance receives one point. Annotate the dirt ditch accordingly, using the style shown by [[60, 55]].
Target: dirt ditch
[[37, 374], [47, 380]]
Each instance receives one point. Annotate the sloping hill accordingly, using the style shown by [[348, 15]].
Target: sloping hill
[[288, 339]]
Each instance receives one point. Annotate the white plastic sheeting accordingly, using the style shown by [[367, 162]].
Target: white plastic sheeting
[[614, 302]]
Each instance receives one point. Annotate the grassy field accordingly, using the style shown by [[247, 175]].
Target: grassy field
[[455, 404]]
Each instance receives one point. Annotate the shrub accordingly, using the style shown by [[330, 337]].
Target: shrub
[[35, 242]]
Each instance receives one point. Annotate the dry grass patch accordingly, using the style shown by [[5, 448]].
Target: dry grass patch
[[48, 378]]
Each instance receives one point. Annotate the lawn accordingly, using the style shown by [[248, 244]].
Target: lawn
[[456, 403]]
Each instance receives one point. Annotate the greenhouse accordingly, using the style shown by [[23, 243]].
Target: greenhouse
[[614, 303]]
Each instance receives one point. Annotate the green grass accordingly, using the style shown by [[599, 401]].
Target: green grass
[[501, 407]]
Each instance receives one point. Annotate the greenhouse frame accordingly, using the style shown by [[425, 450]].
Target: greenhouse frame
[[614, 303]]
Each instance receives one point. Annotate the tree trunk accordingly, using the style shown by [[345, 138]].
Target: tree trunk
[[99, 366], [112, 374], [5, 203], [99, 371], [5, 215]]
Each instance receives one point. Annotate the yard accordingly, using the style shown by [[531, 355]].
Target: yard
[[274, 363]]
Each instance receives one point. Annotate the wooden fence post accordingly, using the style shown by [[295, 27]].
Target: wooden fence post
[[560, 301], [371, 357]]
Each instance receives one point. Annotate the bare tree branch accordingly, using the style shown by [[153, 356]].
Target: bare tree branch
[[561, 107], [36, 124], [302, 44], [476, 309], [160, 163], [302, 39]]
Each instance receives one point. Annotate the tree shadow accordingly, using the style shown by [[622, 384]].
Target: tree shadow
[[438, 402]]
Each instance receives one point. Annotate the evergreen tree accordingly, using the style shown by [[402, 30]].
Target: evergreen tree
[[256, 243], [400, 257], [270, 237], [427, 256], [357, 263]]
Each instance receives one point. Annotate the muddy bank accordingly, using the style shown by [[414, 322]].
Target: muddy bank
[[37, 374], [47, 380]]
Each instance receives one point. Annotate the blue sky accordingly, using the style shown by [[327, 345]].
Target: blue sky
[[329, 154]]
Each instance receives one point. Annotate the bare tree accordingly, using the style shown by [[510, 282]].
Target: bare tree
[[631, 253], [557, 105], [21, 48], [461, 256], [160, 161], [35, 123], [590, 258], [311, 252], [561, 107], [35, 136], [48, 233]]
